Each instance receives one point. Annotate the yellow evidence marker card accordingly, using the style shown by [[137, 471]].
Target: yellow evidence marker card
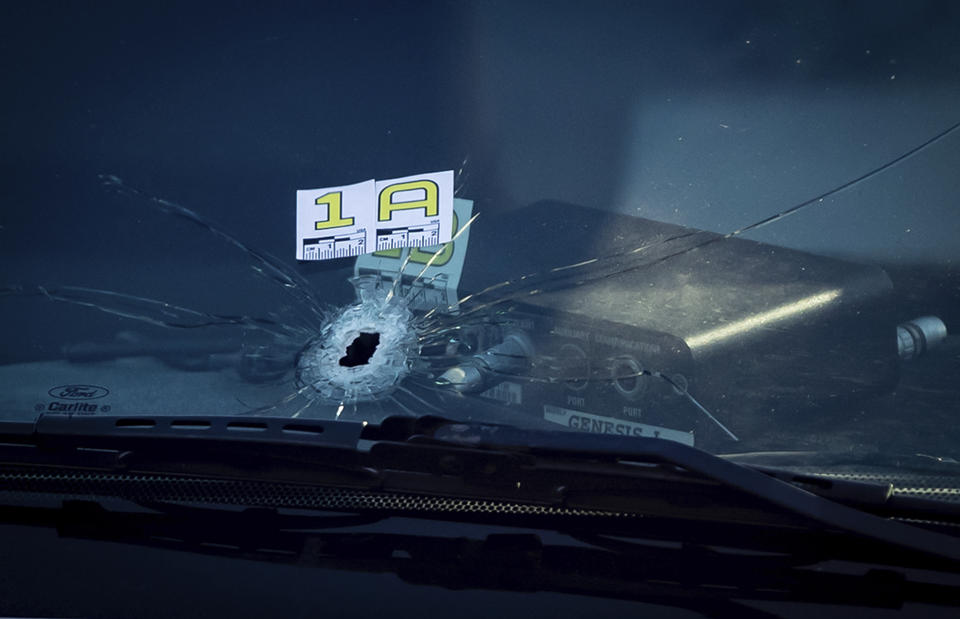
[[375, 215]]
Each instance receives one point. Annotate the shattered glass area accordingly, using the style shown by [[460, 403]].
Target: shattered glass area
[[382, 325], [669, 332]]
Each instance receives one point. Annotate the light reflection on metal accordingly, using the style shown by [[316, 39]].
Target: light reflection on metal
[[917, 336], [510, 357], [761, 319]]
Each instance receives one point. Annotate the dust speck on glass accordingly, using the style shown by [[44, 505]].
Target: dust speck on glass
[[732, 227]]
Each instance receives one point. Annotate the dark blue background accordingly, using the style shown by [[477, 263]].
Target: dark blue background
[[707, 114]]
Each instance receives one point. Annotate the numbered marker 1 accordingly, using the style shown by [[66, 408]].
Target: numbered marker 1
[[335, 222]]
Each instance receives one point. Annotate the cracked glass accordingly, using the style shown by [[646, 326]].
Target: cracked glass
[[734, 229]]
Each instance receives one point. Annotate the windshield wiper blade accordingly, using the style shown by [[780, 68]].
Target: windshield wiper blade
[[766, 484], [685, 575], [551, 473]]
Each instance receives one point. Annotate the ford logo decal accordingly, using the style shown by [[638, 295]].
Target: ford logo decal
[[78, 392]]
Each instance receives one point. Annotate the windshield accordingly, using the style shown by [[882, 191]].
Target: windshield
[[727, 225]]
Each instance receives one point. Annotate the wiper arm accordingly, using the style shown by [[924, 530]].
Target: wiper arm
[[766, 483], [550, 473]]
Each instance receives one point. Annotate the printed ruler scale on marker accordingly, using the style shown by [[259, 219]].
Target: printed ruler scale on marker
[[338, 246], [351, 220], [411, 236]]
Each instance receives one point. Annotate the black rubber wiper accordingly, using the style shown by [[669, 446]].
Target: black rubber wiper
[[693, 573], [434, 467]]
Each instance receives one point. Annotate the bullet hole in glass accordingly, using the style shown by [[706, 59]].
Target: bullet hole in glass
[[361, 350]]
